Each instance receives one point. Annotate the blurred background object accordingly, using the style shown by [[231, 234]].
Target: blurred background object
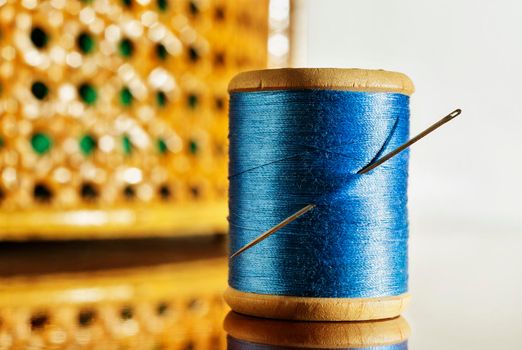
[[114, 113], [113, 166]]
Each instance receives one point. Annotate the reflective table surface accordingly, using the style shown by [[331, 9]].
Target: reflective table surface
[[465, 287]]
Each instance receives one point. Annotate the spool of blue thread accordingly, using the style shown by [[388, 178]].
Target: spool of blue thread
[[249, 333], [298, 137]]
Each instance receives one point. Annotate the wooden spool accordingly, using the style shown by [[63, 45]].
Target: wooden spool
[[317, 335], [311, 308]]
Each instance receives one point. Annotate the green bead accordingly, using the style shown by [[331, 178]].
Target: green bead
[[161, 52], [85, 42], [126, 47], [126, 97], [41, 143], [127, 144], [2, 142], [162, 146], [126, 3], [193, 101], [163, 5], [193, 147], [88, 93], [161, 98], [39, 37], [39, 90], [87, 144]]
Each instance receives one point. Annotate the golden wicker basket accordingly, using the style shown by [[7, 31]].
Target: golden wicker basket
[[113, 114]]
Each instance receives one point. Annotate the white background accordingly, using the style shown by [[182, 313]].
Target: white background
[[465, 179]]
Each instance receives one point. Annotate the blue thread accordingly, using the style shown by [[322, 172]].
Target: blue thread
[[292, 148], [237, 344]]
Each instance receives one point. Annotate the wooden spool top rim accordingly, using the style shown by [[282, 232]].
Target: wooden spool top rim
[[347, 79]]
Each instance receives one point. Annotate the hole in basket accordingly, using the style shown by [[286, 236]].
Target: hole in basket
[[165, 192], [39, 321], [40, 90], [89, 192], [39, 37], [129, 192], [162, 309], [196, 305], [219, 14], [195, 192], [86, 318], [193, 54], [220, 103], [42, 193], [193, 8], [126, 313], [219, 59]]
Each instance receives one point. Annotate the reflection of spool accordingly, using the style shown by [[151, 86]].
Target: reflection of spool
[[250, 333], [299, 136]]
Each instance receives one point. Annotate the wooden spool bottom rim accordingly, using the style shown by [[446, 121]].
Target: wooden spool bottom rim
[[315, 309], [317, 335]]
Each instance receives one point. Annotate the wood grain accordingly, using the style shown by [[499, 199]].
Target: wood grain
[[323, 79], [315, 309]]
